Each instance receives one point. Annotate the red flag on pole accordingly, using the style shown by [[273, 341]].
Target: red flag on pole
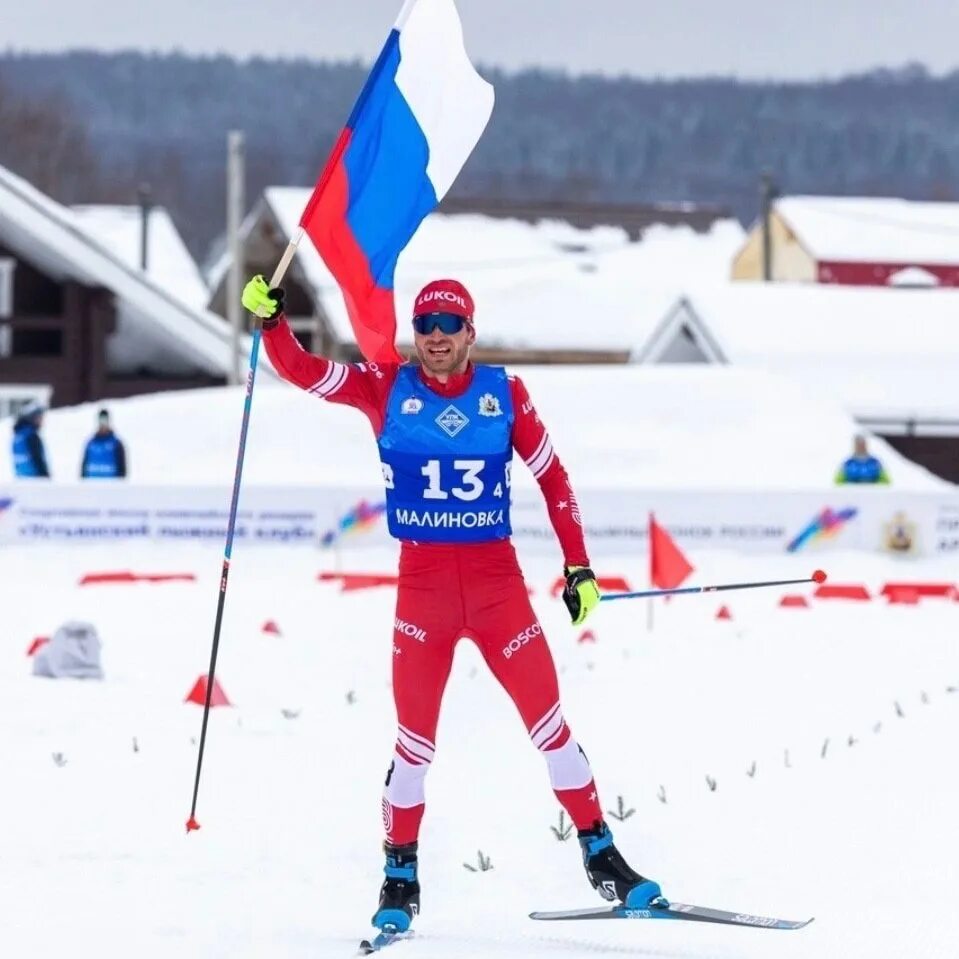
[[667, 565]]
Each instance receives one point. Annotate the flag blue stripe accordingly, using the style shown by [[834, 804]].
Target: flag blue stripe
[[386, 162]]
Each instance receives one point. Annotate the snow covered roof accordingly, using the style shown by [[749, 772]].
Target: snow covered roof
[[547, 285], [665, 427], [169, 263], [874, 229], [153, 325], [878, 352]]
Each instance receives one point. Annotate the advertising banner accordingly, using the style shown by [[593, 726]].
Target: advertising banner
[[875, 519]]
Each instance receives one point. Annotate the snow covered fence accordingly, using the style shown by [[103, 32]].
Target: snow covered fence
[[921, 523]]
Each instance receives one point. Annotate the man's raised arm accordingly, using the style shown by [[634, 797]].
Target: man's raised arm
[[361, 385]]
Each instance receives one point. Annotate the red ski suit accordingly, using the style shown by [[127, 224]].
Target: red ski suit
[[448, 591]]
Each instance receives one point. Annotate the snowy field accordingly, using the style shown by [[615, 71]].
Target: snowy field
[[97, 776], [682, 426]]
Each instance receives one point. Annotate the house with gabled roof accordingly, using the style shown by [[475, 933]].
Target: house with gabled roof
[[887, 356], [79, 323], [546, 290], [855, 241]]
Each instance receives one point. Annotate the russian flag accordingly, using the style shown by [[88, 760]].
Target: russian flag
[[421, 112]]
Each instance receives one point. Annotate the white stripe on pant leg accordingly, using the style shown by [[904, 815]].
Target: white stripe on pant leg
[[547, 732], [568, 768], [405, 788], [414, 747], [535, 728]]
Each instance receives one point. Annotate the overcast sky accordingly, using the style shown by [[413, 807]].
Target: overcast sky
[[748, 38]]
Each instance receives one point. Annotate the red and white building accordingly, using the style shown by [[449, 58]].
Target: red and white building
[[856, 241]]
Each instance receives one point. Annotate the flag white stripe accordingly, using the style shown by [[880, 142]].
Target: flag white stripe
[[451, 114]]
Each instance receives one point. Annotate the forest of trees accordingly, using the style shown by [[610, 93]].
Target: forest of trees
[[91, 127]]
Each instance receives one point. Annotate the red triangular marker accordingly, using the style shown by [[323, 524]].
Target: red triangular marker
[[668, 567], [192, 824], [198, 694], [270, 627], [586, 636], [796, 600], [724, 613]]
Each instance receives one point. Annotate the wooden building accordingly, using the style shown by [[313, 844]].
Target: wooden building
[[77, 323]]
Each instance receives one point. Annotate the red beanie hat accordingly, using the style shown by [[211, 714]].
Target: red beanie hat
[[444, 296]]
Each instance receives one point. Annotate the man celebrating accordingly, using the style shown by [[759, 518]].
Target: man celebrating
[[446, 431]]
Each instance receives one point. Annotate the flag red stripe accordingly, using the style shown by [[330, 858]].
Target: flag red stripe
[[369, 306]]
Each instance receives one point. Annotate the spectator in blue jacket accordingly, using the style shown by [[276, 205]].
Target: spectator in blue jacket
[[861, 467], [104, 456], [29, 457]]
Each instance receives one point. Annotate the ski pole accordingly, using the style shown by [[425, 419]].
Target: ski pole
[[818, 576], [276, 279]]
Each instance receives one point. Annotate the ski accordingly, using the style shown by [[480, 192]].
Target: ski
[[386, 938], [675, 910]]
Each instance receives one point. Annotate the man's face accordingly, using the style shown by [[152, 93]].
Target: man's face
[[860, 447], [443, 353]]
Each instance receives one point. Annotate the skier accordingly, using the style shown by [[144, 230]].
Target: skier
[[29, 456], [446, 431], [104, 456]]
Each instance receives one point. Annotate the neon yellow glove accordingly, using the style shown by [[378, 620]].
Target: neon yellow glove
[[581, 594], [260, 300]]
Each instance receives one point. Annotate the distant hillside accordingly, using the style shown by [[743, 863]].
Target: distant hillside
[[164, 119]]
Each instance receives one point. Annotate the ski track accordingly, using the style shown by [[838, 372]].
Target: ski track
[[94, 859]]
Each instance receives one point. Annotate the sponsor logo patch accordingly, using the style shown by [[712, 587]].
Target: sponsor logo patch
[[412, 405], [410, 629], [521, 639], [451, 421]]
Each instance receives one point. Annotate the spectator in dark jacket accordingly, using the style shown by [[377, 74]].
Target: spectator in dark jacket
[[29, 457], [861, 467], [104, 456]]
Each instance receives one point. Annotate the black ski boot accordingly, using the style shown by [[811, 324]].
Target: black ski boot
[[400, 895], [610, 874]]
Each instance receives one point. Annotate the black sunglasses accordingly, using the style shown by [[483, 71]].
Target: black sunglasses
[[448, 323]]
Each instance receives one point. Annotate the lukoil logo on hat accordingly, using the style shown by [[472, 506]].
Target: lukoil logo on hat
[[444, 296]]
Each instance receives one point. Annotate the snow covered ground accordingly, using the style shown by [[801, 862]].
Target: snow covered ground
[[613, 427], [94, 860]]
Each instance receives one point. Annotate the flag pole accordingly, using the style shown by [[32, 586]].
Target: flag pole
[[286, 259]]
